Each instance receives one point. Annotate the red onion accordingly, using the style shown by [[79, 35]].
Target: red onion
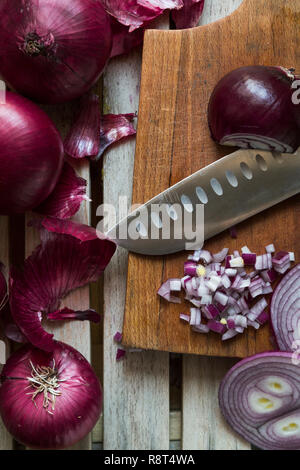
[[260, 398], [31, 155], [252, 107], [49, 401], [70, 256], [61, 46], [285, 313]]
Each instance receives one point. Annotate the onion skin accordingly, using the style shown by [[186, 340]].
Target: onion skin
[[252, 107], [247, 376], [31, 156], [61, 47], [76, 410]]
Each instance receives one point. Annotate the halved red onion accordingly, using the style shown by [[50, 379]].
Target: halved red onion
[[253, 107], [285, 312], [68, 194], [70, 256], [260, 398], [49, 401]]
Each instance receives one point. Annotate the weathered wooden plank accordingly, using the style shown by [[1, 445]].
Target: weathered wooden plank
[[136, 390], [76, 334], [6, 441], [202, 424]]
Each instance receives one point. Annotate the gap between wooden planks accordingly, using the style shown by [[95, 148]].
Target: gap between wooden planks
[[6, 441], [136, 399]]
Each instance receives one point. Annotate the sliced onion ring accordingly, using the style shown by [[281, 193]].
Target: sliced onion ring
[[285, 311], [260, 398]]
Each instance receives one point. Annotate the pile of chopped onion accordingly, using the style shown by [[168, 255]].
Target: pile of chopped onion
[[225, 297]]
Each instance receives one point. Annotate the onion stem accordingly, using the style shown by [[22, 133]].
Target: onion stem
[[45, 380]]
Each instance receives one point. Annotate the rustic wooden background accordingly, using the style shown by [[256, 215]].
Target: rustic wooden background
[[152, 400]]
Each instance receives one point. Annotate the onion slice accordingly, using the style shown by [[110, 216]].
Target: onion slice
[[285, 312], [260, 398], [70, 256]]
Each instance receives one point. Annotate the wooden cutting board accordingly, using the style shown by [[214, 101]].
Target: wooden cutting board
[[180, 70]]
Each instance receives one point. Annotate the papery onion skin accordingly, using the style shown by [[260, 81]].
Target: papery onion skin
[[70, 256], [31, 156], [67, 196], [53, 50], [76, 410], [189, 15], [252, 107], [242, 379]]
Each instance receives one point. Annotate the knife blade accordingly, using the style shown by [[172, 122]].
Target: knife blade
[[209, 201]]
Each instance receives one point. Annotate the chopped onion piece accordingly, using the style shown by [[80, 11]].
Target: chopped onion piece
[[292, 256], [184, 317], [221, 298], [220, 256], [236, 262], [270, 248], [201, 328], [216, 326]]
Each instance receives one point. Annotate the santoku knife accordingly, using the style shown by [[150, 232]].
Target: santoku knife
[[231, 189]]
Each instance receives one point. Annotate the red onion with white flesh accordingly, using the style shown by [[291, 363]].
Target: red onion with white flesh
[[260, 398], [53, 50], [285, 311], [252, 107], [31, 157], [226, 299], [49, 401]]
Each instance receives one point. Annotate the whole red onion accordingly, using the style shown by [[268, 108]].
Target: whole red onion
[[253, 107], [39, 418], [53, 50], [31, 156]]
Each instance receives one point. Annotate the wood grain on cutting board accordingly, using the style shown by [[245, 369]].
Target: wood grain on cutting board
[[180, 70]]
